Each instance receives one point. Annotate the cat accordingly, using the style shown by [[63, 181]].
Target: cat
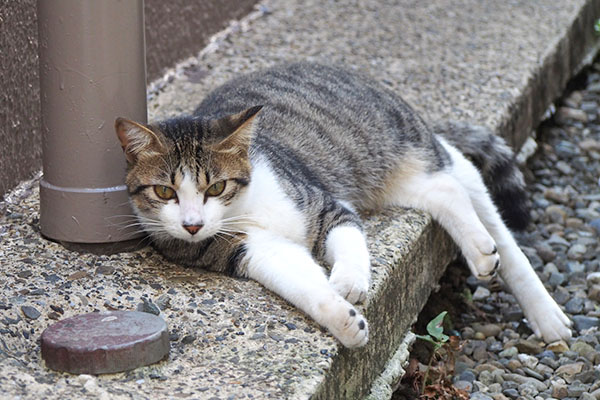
[[269, 175]]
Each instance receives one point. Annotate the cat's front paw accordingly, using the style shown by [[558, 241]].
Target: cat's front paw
[[345, 323], [548, 321], [350, 283], [352, 330]]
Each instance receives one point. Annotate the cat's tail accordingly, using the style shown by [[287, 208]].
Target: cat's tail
[[495, 160]]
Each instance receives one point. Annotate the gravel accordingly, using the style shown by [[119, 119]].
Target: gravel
[[501, 358]]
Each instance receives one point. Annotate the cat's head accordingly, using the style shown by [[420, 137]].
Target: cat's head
[[184, 174]]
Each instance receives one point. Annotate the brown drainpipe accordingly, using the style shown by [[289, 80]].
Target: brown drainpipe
[[92, 69]]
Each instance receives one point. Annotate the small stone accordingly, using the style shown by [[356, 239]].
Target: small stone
[[528, 347], [509, 352], [495, 388], [468, 376], [527, 360], [520, 379], [551, 363], [511, 393], [513, 365], [564, 167], [544, 250], [576, 389], [574, 306], [589, 376], [480, 396], [556, 279], [276, 336], [488, 330], [527, 389], [486, 378], [546, 353], [30, 312], [593, 277], [467, 333], [595, 223], [148, 307], [574, 223], [559, 390], [290, 326], [258, 336], [481, 293], [463, 385], [164, 302], [480, 353], [565, 114], [577, 251], [561, 295], [24, 274], [532, 373], [557, 196], [582, 322], [543, 369], [589, 145], [188, 339], [584, 350], [77, 275], [574, 267], [568, 370], [105, 270], [559, 346], [594, 293]]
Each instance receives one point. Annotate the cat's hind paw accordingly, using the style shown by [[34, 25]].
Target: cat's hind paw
[[550, 323], [487, 262]]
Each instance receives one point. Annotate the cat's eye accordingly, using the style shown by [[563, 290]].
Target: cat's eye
[[216, 189], [164, 192]]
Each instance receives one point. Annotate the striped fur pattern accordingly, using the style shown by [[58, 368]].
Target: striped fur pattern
[[268, 177]]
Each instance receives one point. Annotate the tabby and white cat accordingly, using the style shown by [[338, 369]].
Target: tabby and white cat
[[270, 172]]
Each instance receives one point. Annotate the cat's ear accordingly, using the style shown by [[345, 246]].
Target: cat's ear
[[137, 140], [234, 132]]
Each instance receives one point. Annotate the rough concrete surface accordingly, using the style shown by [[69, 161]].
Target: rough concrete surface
[[231, 338]]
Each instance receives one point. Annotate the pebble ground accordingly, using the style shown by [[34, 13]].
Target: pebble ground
[[501, 359]]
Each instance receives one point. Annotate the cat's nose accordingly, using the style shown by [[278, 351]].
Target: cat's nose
[[193, 229]]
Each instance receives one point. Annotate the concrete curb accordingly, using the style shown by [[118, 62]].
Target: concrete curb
[[462, 59]]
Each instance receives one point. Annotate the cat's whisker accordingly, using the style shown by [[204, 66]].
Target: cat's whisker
[[221, 236], [239, 217]]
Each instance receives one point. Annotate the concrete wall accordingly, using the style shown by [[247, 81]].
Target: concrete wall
[[175, 29]]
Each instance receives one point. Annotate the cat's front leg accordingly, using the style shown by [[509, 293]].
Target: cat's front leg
[[289, 270], [347, 253]]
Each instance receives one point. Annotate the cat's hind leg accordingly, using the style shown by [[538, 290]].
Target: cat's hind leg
[[289, 270], [545, 316], [441, 195]]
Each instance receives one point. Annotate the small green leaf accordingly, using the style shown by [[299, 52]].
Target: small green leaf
[[426, 338], [597, 26], [436, 329]]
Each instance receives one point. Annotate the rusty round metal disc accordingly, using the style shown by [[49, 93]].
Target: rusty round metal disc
[[105, 342]]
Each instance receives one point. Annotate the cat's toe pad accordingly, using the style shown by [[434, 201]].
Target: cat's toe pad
[[351, 286]]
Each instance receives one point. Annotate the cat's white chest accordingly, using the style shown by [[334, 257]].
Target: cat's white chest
[[269, 208]]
